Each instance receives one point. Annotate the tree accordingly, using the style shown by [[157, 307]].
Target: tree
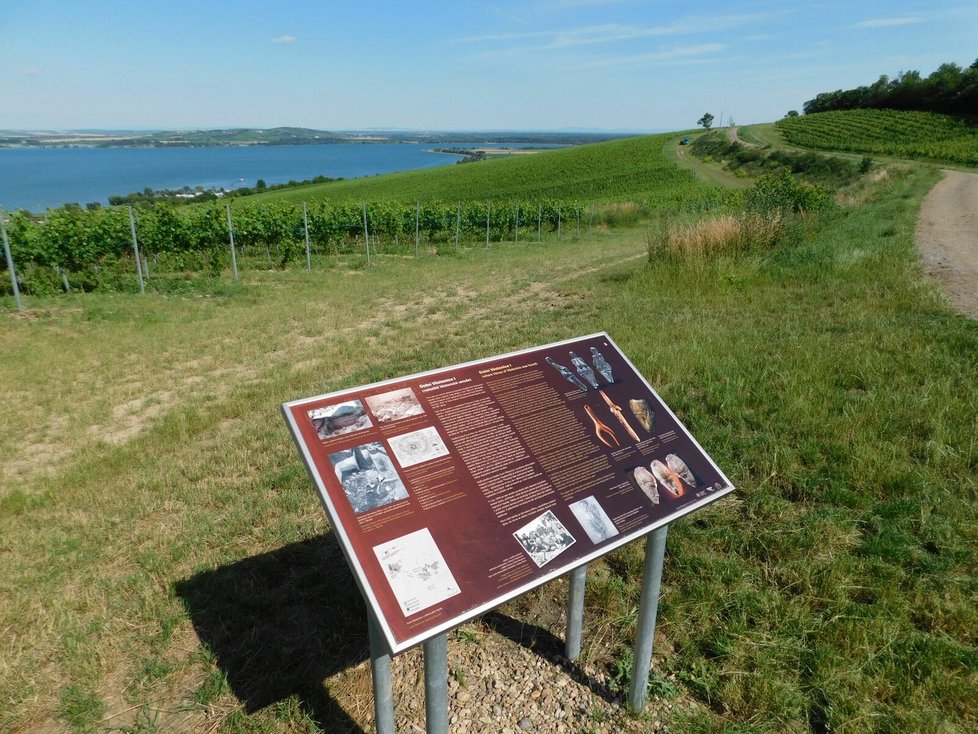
[[706, 121], [792, 113], [260, 184]]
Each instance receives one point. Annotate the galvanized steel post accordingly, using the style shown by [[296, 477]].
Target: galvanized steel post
[[10, 264], [436, 684], [135, 252], [648, 607], [380, 671], [575, 613]]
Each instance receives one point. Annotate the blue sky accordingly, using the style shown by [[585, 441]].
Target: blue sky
[[534, 64]]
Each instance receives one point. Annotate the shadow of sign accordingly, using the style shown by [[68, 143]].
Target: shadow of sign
[[281, 622]]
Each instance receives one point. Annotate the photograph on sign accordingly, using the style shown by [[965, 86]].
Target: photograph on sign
[[335, 420], [368, 477], [594, 520], [455, 490], [544, 538], [395, 405]]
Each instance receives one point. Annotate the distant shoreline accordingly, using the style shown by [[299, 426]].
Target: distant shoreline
[[249, 138]]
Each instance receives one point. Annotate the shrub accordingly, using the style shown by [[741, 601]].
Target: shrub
[[778, 194]]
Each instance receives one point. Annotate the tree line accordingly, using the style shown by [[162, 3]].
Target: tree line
[[949, 90]]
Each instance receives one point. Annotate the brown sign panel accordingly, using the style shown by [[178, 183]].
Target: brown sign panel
[[455, 490]]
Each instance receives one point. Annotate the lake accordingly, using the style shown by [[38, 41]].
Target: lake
[[38, 178]]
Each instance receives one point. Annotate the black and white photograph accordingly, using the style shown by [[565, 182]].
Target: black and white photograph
[[544, 538], [368, 477], [418, 446], [394, 405], [594, 520], [335, 420]]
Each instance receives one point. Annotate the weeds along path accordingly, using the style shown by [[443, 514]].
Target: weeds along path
[[947, 236]]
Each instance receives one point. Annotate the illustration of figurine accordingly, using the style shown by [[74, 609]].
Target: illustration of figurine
[[584, 370], [602, 366], [567, 374]]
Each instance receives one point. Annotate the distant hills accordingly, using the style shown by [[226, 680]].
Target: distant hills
[[279, 136]]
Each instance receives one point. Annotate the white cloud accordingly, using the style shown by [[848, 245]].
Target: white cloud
[[284, 39], [617, 32], [684, 54], [888, 22]]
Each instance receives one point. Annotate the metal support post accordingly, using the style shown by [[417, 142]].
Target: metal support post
[[135, 252], [234, 254], [648, 607], [305, 228], [366, 233], [417, 226], [436, 684], [380, 671], [575, 613], [10, 264]]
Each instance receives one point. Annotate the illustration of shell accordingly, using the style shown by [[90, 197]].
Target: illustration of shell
[[670, 480], [646, 482], [679, 466], [643, 413]]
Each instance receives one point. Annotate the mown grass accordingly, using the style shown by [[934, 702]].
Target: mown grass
[[177, 576]]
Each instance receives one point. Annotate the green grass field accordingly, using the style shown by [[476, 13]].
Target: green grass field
[[167, 567]]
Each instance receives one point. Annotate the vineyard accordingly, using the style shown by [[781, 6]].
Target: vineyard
[[632, 169], [886, 132], [520, 199]]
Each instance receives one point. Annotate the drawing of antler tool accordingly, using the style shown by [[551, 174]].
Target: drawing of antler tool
[[600, 429], [619, 415]]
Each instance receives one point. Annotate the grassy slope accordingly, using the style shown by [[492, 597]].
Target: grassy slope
[[835, 591], [633, 168]]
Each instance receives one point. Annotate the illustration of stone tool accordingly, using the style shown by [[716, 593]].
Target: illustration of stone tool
[[567, 374], [602, 366], [617, 412], [643, 413], [584, 370], [602, 431]]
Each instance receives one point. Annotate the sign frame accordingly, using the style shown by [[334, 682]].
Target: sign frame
[[291, 412]]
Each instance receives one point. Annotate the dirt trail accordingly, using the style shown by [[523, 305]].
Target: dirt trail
[[947, 236]]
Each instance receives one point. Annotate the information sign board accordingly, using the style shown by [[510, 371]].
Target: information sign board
[[455, 490]]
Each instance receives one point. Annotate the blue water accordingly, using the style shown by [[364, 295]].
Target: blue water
[[35, 179]]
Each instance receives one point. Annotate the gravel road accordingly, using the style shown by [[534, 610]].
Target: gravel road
[[947, 236]]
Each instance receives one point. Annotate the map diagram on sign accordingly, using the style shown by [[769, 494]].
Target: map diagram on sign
[[416, 570]]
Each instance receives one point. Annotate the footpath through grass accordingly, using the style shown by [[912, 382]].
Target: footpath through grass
[[150, 478]]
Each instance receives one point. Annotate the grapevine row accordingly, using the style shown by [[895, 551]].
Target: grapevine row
[[886, 132], [71, 240]]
